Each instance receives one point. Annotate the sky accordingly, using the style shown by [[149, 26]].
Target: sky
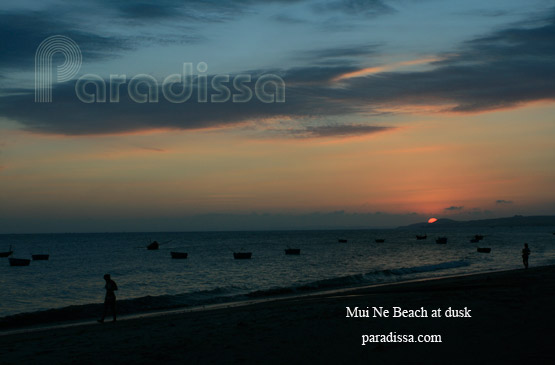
[[381, 113]]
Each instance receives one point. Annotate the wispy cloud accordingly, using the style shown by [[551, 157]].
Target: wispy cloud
[[501, 201], [342, 130], [454, 208], [383, 68]]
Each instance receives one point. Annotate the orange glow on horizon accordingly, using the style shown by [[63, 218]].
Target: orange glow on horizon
[[432, 220]]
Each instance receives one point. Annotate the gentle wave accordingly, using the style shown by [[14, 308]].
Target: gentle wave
[[362, 279]]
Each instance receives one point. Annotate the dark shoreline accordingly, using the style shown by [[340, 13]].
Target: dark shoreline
[[511, 322]]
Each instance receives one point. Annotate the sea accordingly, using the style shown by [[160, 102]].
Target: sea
[[72, 279]]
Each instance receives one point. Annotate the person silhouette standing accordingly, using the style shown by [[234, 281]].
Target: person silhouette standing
[[525, 254], [110, 299]]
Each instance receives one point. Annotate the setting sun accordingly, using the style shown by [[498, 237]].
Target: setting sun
[[432, 220]]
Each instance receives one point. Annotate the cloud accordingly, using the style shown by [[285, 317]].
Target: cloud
[[22, 32], [67, 115], [486, 13], [190, 10], [342, 130], [502, 69], [454, 208], [342, 52], [20, 35], [501, 201], [317, 75], [146, 10], [368, 8], [223, 10]]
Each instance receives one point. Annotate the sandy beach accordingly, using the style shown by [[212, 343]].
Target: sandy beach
[[511, 322]]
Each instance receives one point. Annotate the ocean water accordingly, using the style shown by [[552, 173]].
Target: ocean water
[[73, 276]]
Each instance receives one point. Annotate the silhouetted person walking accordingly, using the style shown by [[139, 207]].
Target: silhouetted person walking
[[110, 299], [525, 254]]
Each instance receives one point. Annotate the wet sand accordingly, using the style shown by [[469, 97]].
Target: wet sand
[[512, 322]]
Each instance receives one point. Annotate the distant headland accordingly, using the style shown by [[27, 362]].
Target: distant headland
[[515, 221]]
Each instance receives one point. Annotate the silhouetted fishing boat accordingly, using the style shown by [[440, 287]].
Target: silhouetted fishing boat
[[421, 237], [441, 240], [19, 262], [484, 249], [242, 255], [153, 245], [342, 240], [178, 255], [380, 240], [6, 253], [40, 257], [292, 251]]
